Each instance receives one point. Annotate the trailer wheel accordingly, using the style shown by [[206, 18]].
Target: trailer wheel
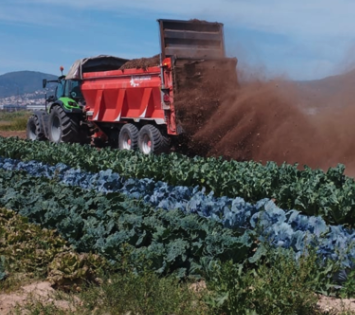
[[34, 130], [150, 140], [63, 127], [128, 137]]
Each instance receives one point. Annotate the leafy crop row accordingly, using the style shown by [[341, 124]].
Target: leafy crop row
[[287, 229], [230, 212], [277, 284], [314, 192], [112, 224], [28, 249]]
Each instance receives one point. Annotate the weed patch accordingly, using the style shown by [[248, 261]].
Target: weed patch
[[14, 121]]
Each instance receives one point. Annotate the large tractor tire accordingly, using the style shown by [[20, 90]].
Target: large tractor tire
[[151, 141], [63, 127], [34, 129], [128, 137], [166, 144]]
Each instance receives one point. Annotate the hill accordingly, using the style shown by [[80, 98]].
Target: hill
[[22, 82]]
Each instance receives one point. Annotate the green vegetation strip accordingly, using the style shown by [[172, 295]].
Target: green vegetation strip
[[142, 240], [27, 247], [14, 121], [314, 192], [117, 227], [29, 253], [35, 252], [276, 285]]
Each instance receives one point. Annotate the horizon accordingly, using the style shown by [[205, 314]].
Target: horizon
[[299, 41], [246, 80]]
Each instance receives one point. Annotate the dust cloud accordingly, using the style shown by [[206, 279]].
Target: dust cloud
[[268, 121]]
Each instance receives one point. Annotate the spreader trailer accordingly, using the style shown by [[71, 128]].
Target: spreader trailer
[[143, 104]]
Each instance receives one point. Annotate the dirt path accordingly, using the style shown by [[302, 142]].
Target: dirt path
[[333, 305], [45, 294], [38, 291], [7, 134]]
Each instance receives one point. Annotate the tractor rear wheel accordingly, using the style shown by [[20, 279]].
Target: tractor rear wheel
[[150, 140], [63, 127], [34, 129], [128, 137]]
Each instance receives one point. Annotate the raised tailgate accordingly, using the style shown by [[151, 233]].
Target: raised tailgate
[[192, 39]]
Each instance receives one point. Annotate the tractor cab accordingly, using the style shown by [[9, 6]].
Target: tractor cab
[[64, 88], [68, 88], [67, 93]]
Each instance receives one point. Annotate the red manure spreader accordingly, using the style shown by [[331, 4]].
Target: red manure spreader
[[144, 104]]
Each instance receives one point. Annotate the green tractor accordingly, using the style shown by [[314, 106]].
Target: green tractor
[[64, 118]]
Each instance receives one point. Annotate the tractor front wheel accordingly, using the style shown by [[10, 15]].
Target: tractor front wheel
[[63, 127], [34, 129]]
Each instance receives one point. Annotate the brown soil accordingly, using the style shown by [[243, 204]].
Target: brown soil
[[12, 303], [331, 305], [7, 134], [38, 291], [142, 63], [196, 21]]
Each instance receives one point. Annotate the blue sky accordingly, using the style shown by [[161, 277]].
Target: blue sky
[[297, 39]]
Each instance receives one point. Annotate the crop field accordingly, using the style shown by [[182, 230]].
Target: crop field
[[108, 225], [13, 121]]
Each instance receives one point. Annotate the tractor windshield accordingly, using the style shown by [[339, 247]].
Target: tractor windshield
[[59, 92]]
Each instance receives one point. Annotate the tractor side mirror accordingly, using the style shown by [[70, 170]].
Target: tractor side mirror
[[44, 83]]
